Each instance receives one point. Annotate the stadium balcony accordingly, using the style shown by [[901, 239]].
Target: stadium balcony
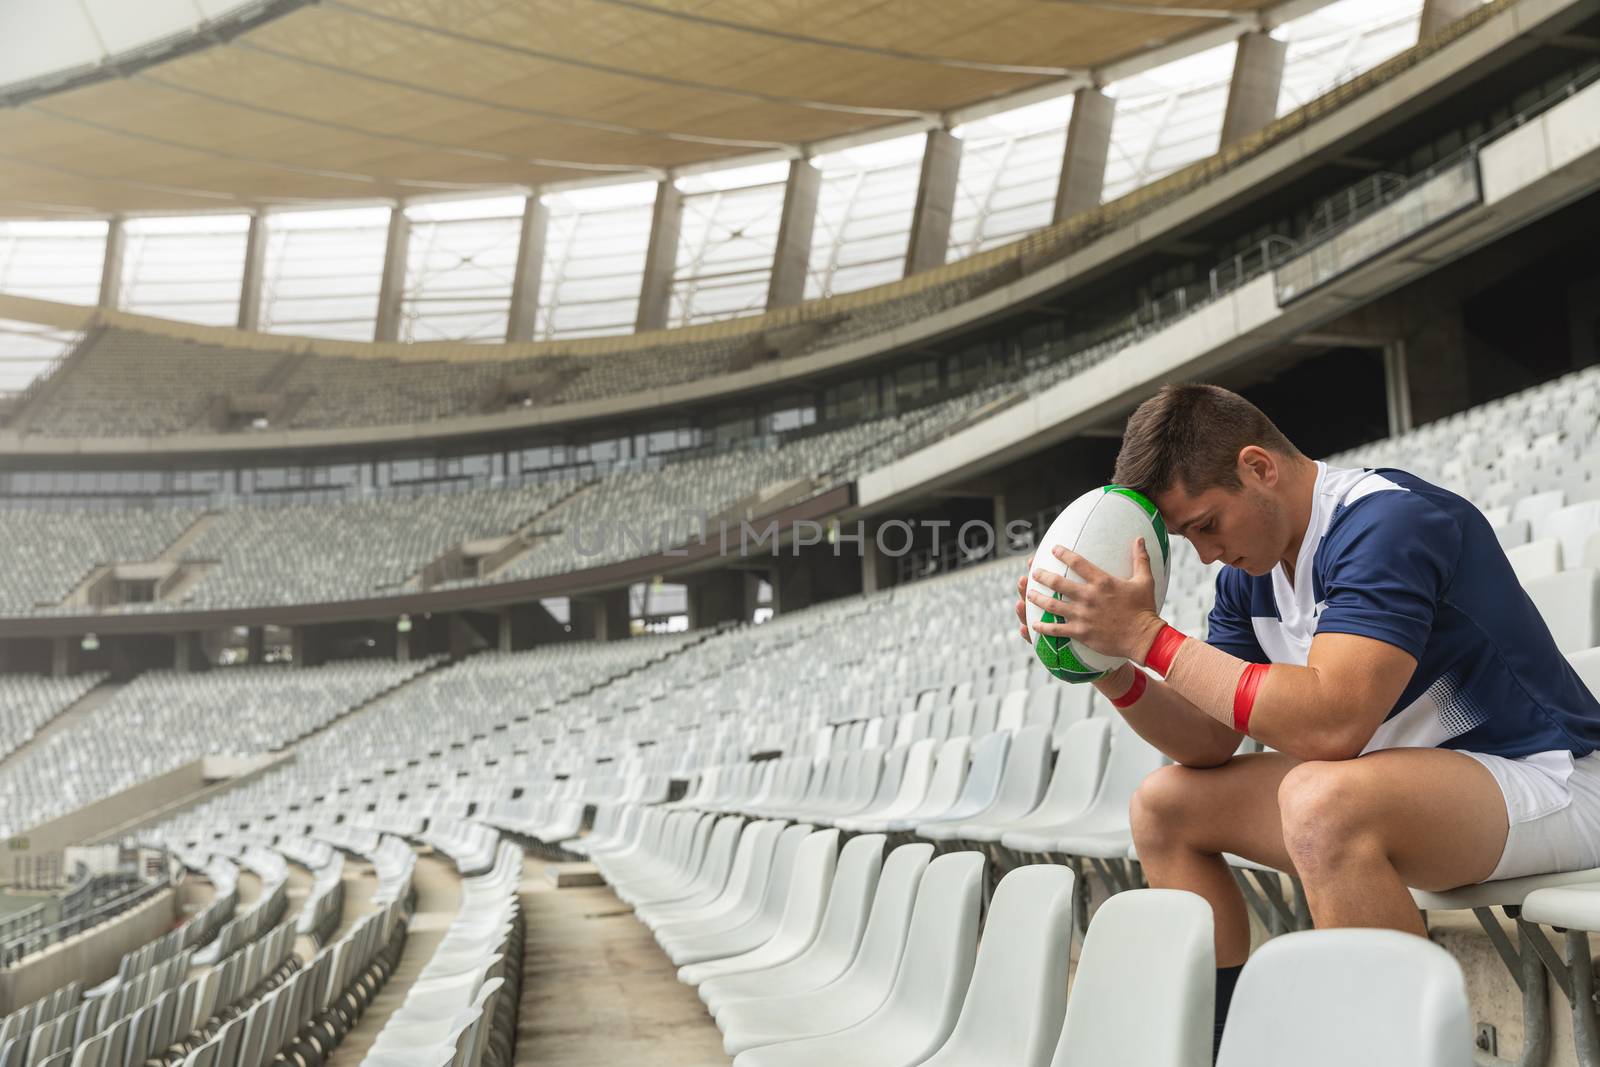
[[136, 385], [175, 569]]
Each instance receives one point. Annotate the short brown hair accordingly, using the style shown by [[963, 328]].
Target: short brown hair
[[1191, 435]]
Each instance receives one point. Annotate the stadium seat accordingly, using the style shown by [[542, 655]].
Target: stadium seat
[[1536, 559], [1337, 997], [809, 882], [838, 935], [1145, 984], [920, 1009], [862, 987], [1027, 766], [1073, 783], [1567, 603], [747, 927], [1014, 1002]]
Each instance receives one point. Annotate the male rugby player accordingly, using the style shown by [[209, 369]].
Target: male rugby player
[[1425, 730]]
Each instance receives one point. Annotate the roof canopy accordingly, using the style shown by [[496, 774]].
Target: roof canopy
[[284, 102]]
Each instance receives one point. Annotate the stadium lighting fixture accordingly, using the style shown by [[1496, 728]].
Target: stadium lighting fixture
[[403, 624], [89, 643]]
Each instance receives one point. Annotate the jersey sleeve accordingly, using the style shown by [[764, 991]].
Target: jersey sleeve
[[1229, 627], [1385, 567]]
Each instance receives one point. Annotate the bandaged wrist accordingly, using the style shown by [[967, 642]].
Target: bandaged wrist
[[1164, 648], [1223, 686], [1128, 684]]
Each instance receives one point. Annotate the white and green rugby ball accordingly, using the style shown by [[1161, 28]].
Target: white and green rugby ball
[[1100, 526]]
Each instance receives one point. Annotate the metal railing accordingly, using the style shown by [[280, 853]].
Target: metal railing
[[106, 897]]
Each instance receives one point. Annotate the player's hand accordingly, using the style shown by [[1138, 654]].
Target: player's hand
[[1113, 616], [1022, 606]]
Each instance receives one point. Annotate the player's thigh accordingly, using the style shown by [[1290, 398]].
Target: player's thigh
[[1229, 808], [1440, 814]]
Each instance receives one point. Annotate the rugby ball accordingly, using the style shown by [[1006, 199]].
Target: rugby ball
[[1100, 526]]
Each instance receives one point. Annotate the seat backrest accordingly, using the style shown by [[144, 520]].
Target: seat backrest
[[855, 881], [1408, 994], [990, 755], [1570, 527], [949, 774], [961, 717], [1566, 602], [939, 725], [1535, 559], [1145, 983], [1013, 709], [986, 715], [883, 938], [1027, 767], [779, 876], [1131, 760], [918, 772], [1013, 1005], [941, 945], [1043, 707], [894, 767], [1587, 663]]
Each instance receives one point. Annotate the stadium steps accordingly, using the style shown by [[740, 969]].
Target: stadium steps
[[68, 717], [47, 385], [181, 544], [438, 889]]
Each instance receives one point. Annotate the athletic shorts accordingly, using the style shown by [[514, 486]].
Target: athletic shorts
[[1553, 805]]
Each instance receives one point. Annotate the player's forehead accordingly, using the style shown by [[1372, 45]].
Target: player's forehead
[[1180, 508]]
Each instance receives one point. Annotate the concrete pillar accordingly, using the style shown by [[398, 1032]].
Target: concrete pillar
[[523, 320], [1397, 388], [255, 260], [877, 569], [60, 657], [503, 630], [183, 652], [601, 617], [391, 291], [1437, 14], [1083, 164], [1437, 368], [111, 265], [722, 596], [660, 258], [402, 646], [936, 199], [298, 646], [255, 644], [1253, 93], [792, 258]]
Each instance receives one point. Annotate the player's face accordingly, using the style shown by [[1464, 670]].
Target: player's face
[[1242, 527]]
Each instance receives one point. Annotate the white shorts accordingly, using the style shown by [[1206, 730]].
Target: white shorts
[[1553, 805]]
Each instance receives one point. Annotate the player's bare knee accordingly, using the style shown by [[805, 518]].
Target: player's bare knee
[[1161, 808], [1324, 814]]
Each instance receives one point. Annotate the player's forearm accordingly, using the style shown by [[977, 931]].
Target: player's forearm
[[1167, 720], [1296, 710]]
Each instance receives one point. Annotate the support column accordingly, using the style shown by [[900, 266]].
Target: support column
[[183, 652], [60, 657], [255, 259], [936, 199], [1083, 164], [111, 266], [722, 596], [503, 630], [1253, 93], [877, 569], [392, 289], [1437, 14], [297, 646], [523, 320], [1397, 388], [660, 259], [792, 258], [255, 645], [601, 617]]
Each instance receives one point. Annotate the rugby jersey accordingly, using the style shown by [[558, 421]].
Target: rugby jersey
[[1391, 557]]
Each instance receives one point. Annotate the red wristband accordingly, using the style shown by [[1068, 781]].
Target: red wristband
[[1135, 691], [1244, 697], [1163, 649]]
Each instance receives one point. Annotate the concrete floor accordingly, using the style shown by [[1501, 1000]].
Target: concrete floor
[[597, 990], [438, 899]]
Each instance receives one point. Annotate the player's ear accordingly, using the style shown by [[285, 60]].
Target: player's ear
[[1258, 465]]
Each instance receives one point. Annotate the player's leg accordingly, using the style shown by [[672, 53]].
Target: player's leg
[[1360, 831], [1184, 818]]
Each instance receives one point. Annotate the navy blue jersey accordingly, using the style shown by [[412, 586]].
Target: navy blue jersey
[[1391, 557]]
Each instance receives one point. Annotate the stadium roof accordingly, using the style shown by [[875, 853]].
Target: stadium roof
[[287, 102]]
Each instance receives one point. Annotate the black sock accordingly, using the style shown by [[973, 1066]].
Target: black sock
[[1227, 978]]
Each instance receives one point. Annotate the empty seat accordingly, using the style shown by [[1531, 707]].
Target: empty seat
[[930, 981], [1536, 559], [1567, 603], [1330, 998]]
